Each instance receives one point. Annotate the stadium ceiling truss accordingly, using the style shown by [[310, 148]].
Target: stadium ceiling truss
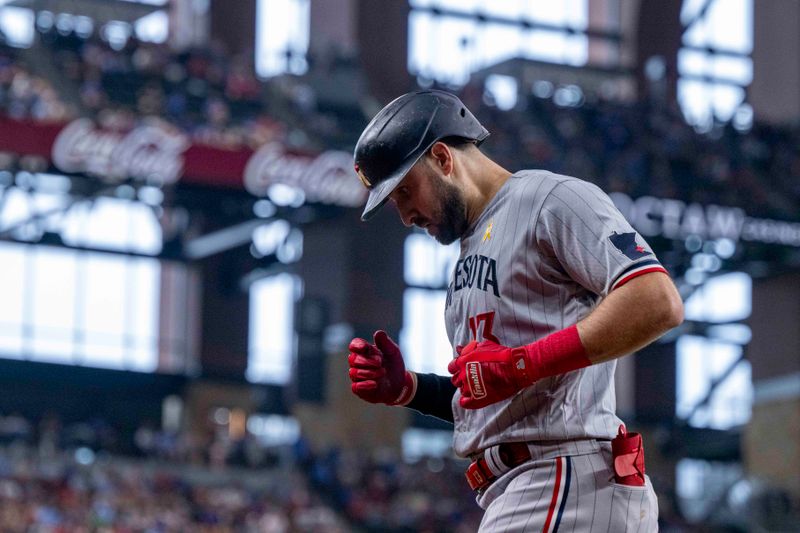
[[523, 23], [101, 11], [698, 18], [195, 222]]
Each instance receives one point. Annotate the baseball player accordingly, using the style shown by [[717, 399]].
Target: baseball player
[[551, 286]]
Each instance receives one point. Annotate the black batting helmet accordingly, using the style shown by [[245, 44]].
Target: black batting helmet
[[398, 136]]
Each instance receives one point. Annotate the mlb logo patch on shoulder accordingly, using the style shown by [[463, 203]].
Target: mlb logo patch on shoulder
[[626, 243]]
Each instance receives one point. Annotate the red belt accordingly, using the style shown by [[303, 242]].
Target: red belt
[[495, 462]]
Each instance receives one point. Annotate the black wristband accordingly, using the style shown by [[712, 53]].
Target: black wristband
[[434, 396]]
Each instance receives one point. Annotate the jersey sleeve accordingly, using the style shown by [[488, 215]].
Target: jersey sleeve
[[594, 244]]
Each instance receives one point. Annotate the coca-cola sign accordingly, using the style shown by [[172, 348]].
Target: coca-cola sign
[[149, 153], [327, 178]]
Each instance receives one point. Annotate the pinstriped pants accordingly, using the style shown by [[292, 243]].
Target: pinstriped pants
[[568, 494]]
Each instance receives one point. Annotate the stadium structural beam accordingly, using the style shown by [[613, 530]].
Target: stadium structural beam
[[701, 13], [42, 216], [714, 385], [101, 11], [221, 240], [52, 239], [592, 33]]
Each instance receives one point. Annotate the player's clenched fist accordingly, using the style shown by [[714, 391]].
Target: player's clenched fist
[[378, 372], [486, 372]]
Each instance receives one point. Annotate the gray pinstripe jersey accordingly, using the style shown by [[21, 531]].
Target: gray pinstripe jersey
[[539, 258]]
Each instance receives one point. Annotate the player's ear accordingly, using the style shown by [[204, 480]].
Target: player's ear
[[442, 156]]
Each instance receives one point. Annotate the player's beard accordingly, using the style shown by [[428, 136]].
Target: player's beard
[[452, 221]]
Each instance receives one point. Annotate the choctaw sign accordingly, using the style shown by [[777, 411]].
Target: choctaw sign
[[675, 219]]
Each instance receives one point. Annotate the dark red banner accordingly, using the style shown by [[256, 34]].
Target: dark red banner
[[157, 154]]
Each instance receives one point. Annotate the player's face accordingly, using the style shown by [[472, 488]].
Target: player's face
[[427, 200]]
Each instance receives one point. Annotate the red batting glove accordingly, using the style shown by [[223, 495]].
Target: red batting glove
[[486, 372], [378, 372]]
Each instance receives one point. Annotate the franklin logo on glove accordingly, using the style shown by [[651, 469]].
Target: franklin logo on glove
[[487, 372], [476, 380]]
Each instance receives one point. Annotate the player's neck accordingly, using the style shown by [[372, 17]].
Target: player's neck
[[486, 177]]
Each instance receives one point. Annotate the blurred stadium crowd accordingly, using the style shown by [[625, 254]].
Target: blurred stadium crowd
[[76, 477]]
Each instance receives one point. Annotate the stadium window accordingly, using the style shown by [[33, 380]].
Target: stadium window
[[703, 361], [451, 39], [113, 224], [424, 443], [504, 91], [153, 28], [149, 28], [122, 296], [700, 485], [116, 33], [428, 264], [714, 360], [274, 430], [17, 25], [271, 332], [80, 307], [423, 338], [714, 63], [282, 35], [427, 269]]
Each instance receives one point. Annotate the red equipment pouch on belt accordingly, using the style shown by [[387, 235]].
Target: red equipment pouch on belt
[[628, 454]]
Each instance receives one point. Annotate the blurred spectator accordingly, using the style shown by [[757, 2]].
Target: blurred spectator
[[75, 489], [23, 95]]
